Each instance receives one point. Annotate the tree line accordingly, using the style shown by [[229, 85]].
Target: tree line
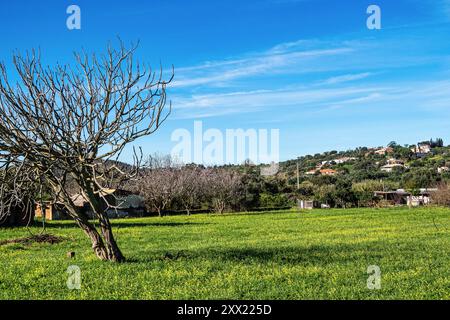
[[168, 186]]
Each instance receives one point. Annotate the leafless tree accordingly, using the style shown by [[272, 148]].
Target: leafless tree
[[72, 122], [17, 193], [224, 186], [441, 197], [157, 182], [191, 186]]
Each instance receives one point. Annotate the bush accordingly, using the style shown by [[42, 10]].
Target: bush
[[275, 200]]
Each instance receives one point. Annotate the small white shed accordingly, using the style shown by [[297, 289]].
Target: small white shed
[[305, 204]]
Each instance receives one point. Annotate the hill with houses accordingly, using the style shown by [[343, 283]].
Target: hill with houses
[[354, 177]]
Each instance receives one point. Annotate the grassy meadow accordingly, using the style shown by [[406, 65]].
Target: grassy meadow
[[321, 254]]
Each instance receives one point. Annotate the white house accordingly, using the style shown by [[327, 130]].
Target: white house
[[422, 149], [443, 169], [390, 167]]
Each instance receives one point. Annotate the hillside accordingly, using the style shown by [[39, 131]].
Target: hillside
[[349, 178], [417, 166]]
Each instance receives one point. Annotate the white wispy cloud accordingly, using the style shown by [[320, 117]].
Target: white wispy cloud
[[347, 78], [422, 95], [275, 60], [308, 75], [294, 45], [251, 101]]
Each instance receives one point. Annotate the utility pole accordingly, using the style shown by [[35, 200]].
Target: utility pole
[[298, 175]]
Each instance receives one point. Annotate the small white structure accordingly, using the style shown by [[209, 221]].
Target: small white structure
[[344, 160], [305, 204], [383, 151], [417, 201], [441, 170], [423, 199], [337, 161], [395, 161], [422, 149], [390, 167]]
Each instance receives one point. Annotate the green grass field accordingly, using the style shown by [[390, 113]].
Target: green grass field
[[280, 255]]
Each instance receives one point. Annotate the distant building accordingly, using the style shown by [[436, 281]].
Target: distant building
[[384, 151], [51, 211], [395, 161], [399, 197], [328, 172], [443, 169], [305, 204], [125, 204], [311, 172], [392, 164], [423, 199], [421, 149], [390, 167], [402, 197], [341, 160], [346, 159], [335, 161]]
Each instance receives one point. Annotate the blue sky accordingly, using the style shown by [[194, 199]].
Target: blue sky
[[310, 68]]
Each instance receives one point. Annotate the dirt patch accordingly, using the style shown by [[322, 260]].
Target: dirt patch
[[43, 238]]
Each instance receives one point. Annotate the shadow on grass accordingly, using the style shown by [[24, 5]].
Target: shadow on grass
[[42, 238], [124, 224], [250, 213], [319, 254], [157, 224]]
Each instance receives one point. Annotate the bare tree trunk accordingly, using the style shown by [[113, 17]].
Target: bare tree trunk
[[113, 252], [97, 242], [220, 206]]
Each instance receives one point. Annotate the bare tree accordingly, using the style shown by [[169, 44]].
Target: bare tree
[[225, 185], [441, 196], [157, 182], [17, 193], [190, 187], [72, 122]]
